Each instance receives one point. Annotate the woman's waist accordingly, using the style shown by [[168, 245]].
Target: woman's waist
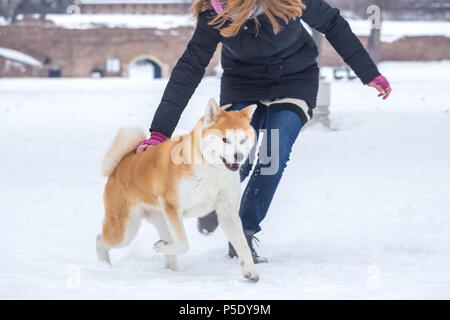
[[263, 76], [301, 88], [274, 68]]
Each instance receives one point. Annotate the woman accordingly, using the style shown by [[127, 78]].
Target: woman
[[269, 59]]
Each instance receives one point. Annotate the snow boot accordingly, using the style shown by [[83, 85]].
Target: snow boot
[[251, 240], [207, 224]]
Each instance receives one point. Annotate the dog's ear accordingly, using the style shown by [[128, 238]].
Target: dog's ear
[[211, 113], [248, 111]]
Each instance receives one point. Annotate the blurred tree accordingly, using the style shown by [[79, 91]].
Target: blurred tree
[[10, 9], [46, 7]]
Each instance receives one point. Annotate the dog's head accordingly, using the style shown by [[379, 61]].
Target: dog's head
[[227, 137]]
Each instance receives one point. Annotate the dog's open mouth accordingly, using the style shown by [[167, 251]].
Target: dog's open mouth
[[231, 166]]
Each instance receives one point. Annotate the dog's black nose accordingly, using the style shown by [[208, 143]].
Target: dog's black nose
[[238, 156]]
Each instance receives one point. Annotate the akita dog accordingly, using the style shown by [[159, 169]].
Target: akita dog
[[188, 176]]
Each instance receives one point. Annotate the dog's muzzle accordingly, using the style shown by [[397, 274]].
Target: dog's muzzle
[[231, 166]]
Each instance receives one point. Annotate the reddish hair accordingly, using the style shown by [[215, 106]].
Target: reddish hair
[[238, 11]]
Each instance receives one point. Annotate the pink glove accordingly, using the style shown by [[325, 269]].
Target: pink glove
[[382, 85], [217, 6], [155, 139]]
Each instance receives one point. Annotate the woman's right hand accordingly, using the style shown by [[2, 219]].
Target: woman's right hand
[[382, 85], [155, 139]]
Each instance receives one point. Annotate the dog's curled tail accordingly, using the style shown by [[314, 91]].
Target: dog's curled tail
[[125, 141]]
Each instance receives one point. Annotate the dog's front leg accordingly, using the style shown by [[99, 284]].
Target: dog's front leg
[[172, 217], [227, 214]]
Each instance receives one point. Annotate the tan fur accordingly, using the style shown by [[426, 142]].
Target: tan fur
[[124, 142], [139, 178]]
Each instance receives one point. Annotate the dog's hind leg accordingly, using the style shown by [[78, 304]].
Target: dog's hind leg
[[103, 250], [157, 219], [173, 220], [120, 227]]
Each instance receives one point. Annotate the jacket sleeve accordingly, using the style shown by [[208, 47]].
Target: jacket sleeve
[[321, 16], [186, 76]]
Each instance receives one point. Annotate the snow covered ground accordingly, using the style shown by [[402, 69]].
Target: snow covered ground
[[363, 211]]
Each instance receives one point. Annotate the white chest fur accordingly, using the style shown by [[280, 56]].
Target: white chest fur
[[200, 193]]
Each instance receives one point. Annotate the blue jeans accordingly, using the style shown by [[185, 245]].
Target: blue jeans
[[269, 166]]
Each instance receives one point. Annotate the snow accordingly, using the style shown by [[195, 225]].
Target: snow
[[142, 70], [19, 57], [90, 21], [395, 30], [362, 212], [392, 31]]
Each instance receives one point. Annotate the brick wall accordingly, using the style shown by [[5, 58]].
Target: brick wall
[[77, 52]]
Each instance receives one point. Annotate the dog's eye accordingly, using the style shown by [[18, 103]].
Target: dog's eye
[[225, 140]]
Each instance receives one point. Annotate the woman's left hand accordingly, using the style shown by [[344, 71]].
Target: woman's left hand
[[382, 85]]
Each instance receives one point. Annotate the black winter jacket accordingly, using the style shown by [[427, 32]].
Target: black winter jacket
[[260, 65]]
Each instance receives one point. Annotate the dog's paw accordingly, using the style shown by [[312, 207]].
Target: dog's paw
[[161, 246], [165, 247], [252, 276], [172, 267]]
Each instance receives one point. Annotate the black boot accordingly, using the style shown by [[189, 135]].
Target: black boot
[[250, 237], [207, 224]]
